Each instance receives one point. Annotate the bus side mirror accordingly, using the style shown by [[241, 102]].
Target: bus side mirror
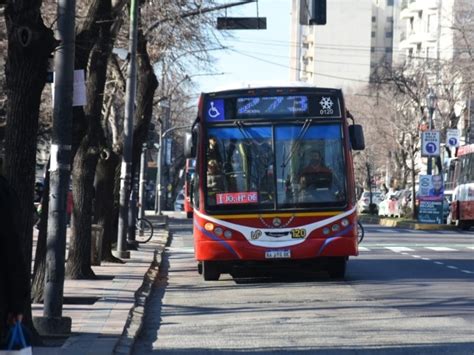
[[356, 135], [189, 151]]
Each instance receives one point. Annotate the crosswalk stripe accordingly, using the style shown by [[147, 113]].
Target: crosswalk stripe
[[440, 249], [364, 249], [398, 249]]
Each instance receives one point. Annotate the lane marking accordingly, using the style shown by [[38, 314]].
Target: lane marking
[[364, 249], [426, 259], [438, 263], [416, 256], [398, 249], [452, 267], [467, 272], [440, 249]]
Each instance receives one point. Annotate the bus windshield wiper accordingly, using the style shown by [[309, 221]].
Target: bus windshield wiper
[[297, 143]]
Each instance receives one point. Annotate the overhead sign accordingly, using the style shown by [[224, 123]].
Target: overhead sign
[[452, 138], [430, 141], [241, 23]]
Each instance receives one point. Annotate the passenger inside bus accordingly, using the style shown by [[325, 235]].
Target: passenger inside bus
[[215, 179]]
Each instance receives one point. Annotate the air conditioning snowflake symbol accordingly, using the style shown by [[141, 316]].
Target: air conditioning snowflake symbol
[[326, 103]]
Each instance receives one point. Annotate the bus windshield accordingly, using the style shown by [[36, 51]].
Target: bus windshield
[[277, 166]]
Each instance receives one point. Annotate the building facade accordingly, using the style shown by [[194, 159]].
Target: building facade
[[357, 38]]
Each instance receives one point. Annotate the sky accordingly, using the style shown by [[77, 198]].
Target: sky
[[253, 54]]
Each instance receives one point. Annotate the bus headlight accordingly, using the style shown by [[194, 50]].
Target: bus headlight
[[228, 234], [335, 227], [218, 231], [326, 231], [345, 222], [209, 226]]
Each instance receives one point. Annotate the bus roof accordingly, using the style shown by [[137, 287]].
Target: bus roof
[[465, 149], [267, 85]]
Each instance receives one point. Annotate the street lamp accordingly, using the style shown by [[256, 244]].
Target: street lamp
[[431, 104]]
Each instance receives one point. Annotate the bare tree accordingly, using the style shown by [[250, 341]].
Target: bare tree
[[30, 44]]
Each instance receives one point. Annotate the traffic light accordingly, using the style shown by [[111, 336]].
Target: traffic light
[[312, 12]]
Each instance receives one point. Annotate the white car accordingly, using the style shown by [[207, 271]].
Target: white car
[[364, 201]]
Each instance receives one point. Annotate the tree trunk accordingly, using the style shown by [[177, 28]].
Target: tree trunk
[[78, 264], [30, 43], [79, 261], [106, 203], [39, 270], [147, 84]]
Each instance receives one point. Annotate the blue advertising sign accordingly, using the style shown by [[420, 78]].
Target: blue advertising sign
[[431, 196]]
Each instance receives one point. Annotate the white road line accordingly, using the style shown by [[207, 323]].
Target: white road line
[[416, 256], [364, 249], [398, 249], [440, 249], [471, 248], [426, 259], [467, 272], [439, 263], [452, 267]]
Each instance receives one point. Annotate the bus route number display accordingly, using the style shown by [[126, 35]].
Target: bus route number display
[[271, 105]]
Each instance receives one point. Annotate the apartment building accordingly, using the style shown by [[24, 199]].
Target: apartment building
[[357, 38]]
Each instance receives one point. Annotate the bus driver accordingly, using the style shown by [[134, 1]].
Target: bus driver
[[315, 175]]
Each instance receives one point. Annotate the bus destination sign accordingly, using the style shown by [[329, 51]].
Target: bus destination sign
[[272, 107]]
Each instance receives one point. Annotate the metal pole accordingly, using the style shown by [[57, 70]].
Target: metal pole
[[430, 160], [141, 193], [159, 172], [60, 169], [125, 172]]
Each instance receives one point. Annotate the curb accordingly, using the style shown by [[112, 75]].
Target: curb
[[403, 224], [133, 325]]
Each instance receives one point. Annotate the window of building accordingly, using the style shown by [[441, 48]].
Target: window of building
[[431, 23], [374, 18], [388, 34], [389, 19], [389, 2], [388, 49], [373, 34]]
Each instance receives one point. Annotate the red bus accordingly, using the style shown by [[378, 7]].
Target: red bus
[[274, 182], [462, 205], [189, 173]]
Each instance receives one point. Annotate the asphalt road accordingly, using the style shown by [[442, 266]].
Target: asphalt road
[[409, 292]]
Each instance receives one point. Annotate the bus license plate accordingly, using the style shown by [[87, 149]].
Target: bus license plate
[[277, 254]]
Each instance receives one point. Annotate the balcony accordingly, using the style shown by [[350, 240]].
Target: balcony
[[416, 5]]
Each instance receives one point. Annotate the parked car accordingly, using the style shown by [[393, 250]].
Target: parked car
[[179, 202], [391, 205], [364, 201]]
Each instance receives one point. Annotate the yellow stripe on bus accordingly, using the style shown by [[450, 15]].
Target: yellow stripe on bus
[[273, 215]]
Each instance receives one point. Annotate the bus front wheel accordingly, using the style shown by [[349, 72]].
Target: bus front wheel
[[210, 271], [337, 268]]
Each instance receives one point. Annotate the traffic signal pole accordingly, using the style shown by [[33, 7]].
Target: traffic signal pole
[[52, 322]]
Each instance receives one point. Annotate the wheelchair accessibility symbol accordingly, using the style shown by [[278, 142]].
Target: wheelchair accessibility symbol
[[214, 110]]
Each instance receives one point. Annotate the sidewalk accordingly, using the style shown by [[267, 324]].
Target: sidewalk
[[106, 313]]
